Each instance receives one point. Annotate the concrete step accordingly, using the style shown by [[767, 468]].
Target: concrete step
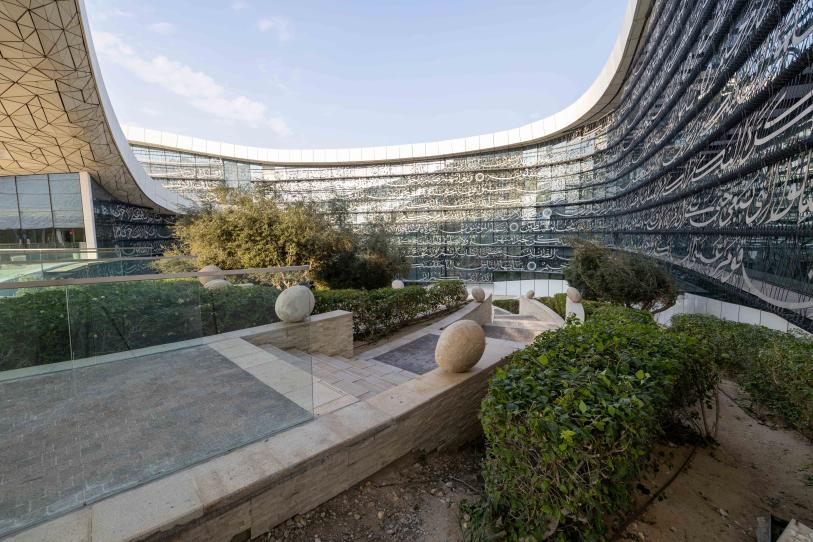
[[522, 324], [510, 316], [517, 334]]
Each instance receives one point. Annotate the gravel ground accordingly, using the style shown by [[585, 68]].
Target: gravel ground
[[415, 499]]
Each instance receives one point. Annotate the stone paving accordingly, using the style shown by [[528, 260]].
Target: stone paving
[[417, 356], [359, 378], [71, 437]]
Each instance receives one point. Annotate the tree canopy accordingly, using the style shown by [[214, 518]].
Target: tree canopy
[[253, 229], [623, 278]]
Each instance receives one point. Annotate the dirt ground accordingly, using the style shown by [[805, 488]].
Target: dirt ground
[[755, 469], [416, 499]]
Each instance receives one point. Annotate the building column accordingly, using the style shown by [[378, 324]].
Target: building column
[[87, 212]]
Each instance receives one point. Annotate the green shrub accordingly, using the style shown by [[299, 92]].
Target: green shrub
[[511, 305], [590, 307], [557, 302], [570, 422], [775, 368], [628, 279], [49, 325], [380, 312]]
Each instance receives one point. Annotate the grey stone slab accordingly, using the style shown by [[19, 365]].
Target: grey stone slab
[[73, 437], [417, 356]]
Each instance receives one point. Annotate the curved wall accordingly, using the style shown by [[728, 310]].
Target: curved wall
[[702, 161], [55, 116]]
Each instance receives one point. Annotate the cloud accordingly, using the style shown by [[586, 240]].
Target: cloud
[[238, 5], [200, 90], [280, 26], [162, 27], [106, 10]]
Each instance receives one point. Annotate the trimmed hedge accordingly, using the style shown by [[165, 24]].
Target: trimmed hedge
[[775, 368], [511, 305], [45, 326], [570, 422], [557, 302], [380, 312]]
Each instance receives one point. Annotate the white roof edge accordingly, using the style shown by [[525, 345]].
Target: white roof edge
[[601, 93], [152, 189]]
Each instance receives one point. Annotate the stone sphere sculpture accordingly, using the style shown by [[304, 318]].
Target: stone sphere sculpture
[[216, 284], [478, 294], [460, 347], [294, 304], [210, 269], [397, 284], [530, 294], [574, 295]]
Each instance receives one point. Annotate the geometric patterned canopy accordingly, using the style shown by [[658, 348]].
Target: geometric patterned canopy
[[52, 119]]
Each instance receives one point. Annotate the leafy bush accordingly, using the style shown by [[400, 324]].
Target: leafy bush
[[375, 259], [619, 277], [379, 312], [48, 325], [556, 302], [511, 305], [254, 230], [775, 368], [571, 420]]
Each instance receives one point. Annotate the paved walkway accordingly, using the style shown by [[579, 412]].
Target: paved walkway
[[68, 438]]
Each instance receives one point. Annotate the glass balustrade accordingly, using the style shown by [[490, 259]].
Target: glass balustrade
[[109, 382]]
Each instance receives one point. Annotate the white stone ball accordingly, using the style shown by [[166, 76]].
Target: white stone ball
[[574, 295], [210, 269], [460, 347], [478, 294], [530, 294], [294, 304], [397, 284], [216, 284]]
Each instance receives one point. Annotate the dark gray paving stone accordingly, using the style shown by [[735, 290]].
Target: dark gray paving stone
[[70, 438], [417, 356]]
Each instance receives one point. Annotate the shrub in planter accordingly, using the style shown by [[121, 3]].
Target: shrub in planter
[[511, 305], [556, 302], [382, 311], [570, 421]]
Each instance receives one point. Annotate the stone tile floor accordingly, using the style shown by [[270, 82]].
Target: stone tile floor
[[417, 356], [72, 437]]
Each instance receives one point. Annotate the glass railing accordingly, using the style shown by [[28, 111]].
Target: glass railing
[[55, 264], [108, 383]]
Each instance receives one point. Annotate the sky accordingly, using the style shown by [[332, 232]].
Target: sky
[[329, 73]]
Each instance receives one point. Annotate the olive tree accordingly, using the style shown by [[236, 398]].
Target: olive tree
[[245, 230], [623, 278]]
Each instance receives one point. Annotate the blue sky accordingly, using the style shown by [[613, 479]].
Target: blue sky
[[321, 73]]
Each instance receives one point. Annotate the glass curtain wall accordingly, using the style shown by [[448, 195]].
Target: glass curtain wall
[[41, 210]]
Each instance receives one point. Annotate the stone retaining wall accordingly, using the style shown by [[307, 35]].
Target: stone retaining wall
[[539, 310]]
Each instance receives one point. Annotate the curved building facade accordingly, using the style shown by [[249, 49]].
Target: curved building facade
[[693, 146]]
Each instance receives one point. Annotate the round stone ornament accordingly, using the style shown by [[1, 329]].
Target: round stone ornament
[[216, 284], [574, 295], [210, 269], [478, 294], [294, 304], [530, 294], [460, 346], [397, 284]]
